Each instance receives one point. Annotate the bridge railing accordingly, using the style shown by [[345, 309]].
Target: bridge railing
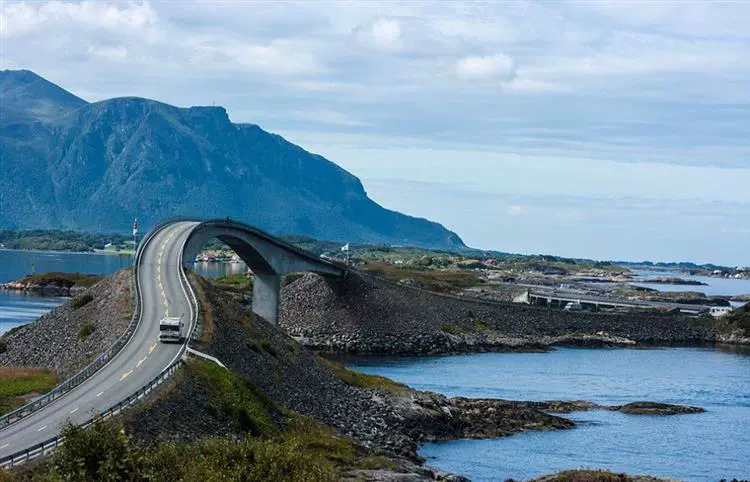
[[44, 448], [100, 361]]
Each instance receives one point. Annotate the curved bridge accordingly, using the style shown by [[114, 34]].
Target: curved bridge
[[140, 363], [268, 257]]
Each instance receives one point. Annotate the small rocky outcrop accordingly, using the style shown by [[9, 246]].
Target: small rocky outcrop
[[654, 408], [633, 408], [53, 284]]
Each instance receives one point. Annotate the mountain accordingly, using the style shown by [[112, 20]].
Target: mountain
[[67, 163]]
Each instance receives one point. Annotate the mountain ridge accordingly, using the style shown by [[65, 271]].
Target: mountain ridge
[[95, 166]]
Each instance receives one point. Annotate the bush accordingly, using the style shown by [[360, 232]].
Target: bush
[[87, 328], [451, 329], [267, 347], [80, 301]]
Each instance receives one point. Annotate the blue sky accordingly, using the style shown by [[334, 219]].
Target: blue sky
[[613, 130]]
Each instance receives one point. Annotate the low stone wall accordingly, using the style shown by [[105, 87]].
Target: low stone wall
[[363, 314]]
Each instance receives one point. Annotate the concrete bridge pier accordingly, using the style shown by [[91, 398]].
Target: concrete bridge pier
[[266, 296]]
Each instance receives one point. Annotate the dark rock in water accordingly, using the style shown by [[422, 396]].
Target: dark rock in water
[[654, 408]]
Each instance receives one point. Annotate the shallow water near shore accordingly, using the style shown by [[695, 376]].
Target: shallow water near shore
[[696, 447]]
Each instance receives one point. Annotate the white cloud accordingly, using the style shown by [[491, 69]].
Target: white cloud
[[516, 210], [384, 33], [498, 66]]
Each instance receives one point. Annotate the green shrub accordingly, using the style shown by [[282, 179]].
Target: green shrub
[[253, 345], [267, 347], [451, 329], [100, 452], [87, 328], [80, 301]]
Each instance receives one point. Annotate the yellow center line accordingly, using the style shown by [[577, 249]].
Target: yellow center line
[[74, 410], [41, 428], [152, 348], [140, 362], [125, 375], [99, 394], [4, 446]]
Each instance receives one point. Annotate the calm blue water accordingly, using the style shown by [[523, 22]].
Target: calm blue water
[[716, 286], [21, 308], [697, 447]]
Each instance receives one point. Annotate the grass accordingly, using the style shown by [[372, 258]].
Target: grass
[[236, 283], [63, 279], [205, 313], [86, 329], [441, 281], [451, 329], [363, 380], [80, 301], [235, 397], [480, 325], [16, 382], [586, 476]]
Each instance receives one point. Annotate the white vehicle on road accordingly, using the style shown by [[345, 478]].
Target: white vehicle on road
[[170, 329]]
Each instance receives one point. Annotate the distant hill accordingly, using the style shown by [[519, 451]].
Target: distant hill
[[70, 164]]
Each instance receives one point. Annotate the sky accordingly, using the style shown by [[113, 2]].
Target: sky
[[607, 130]]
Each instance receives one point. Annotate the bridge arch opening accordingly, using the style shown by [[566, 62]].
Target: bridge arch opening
[[268, 257]]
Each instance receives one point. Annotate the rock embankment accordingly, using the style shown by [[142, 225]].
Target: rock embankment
[[53, 284], [367, 315], [71, 335]]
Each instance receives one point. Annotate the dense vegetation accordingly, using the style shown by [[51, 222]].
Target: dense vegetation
[[58, 240], [58, 278], [17, 382]]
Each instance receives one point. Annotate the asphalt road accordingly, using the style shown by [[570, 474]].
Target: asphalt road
[[140, 361]]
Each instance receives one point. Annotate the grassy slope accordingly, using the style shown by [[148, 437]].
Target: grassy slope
[[17, 382]]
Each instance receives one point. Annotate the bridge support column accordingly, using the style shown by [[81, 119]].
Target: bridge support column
[[266, 296]]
